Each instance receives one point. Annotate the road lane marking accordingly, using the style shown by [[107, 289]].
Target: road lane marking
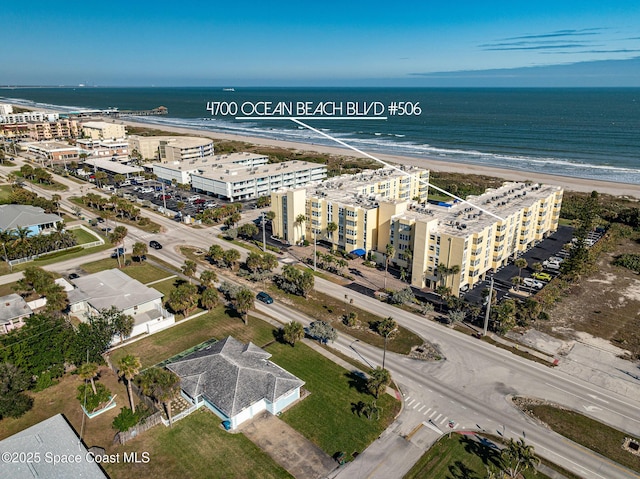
[[584, 399]]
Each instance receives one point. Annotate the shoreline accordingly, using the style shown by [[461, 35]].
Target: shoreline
[[567, 182]]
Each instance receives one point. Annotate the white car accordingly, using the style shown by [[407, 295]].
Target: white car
[[192, 198], [533, 283], [551, 265]]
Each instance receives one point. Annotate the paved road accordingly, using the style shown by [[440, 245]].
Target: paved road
[[472, 386]]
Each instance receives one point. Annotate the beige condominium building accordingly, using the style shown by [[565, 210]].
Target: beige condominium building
[[345, 210], [171, 148], [454, 245], [100, 130]]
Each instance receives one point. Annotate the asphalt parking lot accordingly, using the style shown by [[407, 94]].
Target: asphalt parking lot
[[551, 246]]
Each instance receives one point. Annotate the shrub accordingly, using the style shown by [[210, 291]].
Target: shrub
[[92, 400], [125, 420]]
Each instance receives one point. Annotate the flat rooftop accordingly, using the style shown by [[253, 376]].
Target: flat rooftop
[[348, 189], [229, 173], [50, 145], [462, 218], [113, 166], [211, 162]]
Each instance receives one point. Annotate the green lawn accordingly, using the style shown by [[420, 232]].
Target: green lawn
[[5, 192], [458, 457], [83, 236], [328, 308], [327, 416], [215, 324], [591, 434], [145, 272], [196, 446], [4, 267]]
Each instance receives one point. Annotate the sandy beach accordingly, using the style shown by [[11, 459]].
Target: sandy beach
[[569, 183]]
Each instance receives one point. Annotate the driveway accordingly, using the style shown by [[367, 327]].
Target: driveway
[[299, 456]]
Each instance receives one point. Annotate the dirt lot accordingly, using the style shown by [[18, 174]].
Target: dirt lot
[[605, 305]]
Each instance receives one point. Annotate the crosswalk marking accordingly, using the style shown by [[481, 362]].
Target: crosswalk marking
[[410, 402], [425, 413], [439, 416], [416, 405], [423, 406], [443, 420]]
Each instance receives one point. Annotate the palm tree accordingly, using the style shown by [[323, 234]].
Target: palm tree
[[129, 367], [389, 251], [243, 302], [520, 263], [89, 371], [208, 277], [441, 273], [189, 268], [209, 298], [385, 328], [301, 219], [379, 379], [518, 457], [161, 385], [139, 249], [453, 271], [292, 332], [407, 255], [332, 228]]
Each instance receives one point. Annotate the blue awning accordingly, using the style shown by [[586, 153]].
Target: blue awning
[[358, 252]]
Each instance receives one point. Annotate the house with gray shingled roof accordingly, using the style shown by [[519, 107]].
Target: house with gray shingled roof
[[112, 287], [236, 381], [25, 216], [13, 311], [44, 443]]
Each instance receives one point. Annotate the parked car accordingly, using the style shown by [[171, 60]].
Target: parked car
[[264, 297], [118, 252], [200, 201], [154, 244], [533, 283], [193, 198], [551, 265], [74, 276], [147, 189], [542, 276]]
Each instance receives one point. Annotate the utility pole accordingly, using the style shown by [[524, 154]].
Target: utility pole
[[315, 250], [264, 235], [489, 298]]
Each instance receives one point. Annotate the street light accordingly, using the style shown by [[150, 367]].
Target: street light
[[354, 341]]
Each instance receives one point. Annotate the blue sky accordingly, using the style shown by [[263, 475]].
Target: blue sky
[[345, 43]]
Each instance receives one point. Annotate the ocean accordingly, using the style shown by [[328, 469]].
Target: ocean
[[582, 132]]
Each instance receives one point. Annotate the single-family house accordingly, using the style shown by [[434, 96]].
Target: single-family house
[[235, 380], [104, 289], [50, 448], [26, 216], [13, 311]]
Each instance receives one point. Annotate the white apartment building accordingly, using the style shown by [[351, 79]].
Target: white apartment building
[[181, 171], [247, 182], [5, 109], [27, 116]]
